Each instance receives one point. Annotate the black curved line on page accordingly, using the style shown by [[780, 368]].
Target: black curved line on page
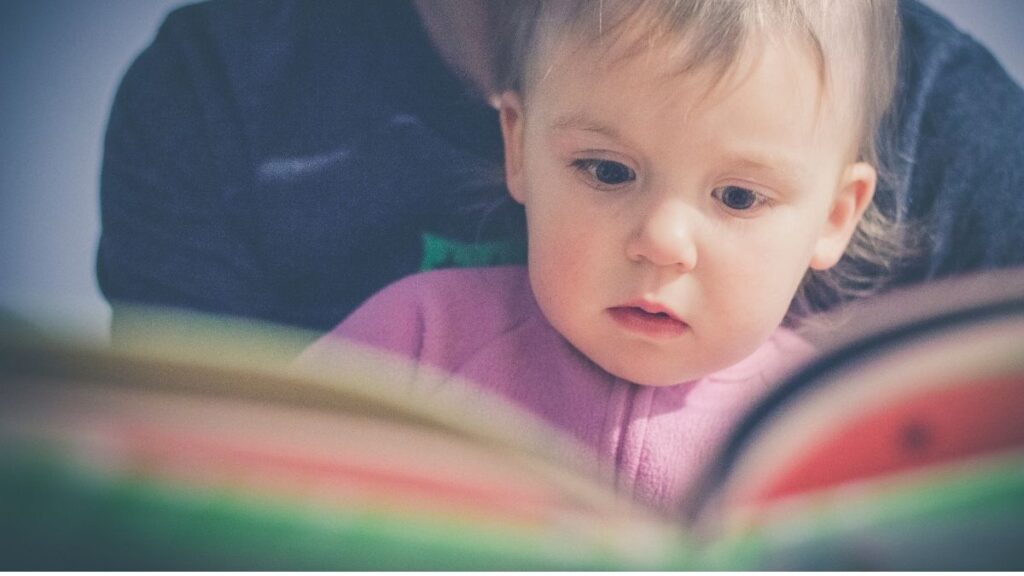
[[813, 374]]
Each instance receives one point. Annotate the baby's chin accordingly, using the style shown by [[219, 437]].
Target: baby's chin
[[663, 368], [658, 374]]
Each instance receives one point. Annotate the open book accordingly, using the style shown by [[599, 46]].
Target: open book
[[901, 446]]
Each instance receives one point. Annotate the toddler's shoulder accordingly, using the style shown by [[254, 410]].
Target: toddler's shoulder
[[466, 277], [441, 315], [471, 291]]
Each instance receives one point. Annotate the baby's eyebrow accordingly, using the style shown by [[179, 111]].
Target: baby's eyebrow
[[761, 162], [579, 121]]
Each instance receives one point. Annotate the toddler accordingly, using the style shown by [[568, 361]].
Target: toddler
[[692, 172]]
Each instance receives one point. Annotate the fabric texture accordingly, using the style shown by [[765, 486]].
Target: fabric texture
[[282, 160], [957, 153], [484, 327]]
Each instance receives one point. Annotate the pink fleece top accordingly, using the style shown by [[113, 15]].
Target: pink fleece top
[[484, 326]]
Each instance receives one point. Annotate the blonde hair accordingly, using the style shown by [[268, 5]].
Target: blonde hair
[[855, 44]]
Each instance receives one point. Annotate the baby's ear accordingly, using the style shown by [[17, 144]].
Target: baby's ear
[[856, 190], [511, 109]]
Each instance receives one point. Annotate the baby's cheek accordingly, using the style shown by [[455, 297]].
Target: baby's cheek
[[731, 347], [740, 324]]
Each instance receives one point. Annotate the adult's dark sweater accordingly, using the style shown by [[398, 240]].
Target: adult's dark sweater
[[283, 160]]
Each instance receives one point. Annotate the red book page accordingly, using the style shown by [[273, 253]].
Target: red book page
[[923, 429]]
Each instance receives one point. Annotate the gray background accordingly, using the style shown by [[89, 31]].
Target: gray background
[[60, 62]]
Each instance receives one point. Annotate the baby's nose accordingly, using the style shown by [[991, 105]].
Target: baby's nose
[[665, 237]]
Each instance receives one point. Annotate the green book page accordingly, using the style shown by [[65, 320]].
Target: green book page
[[59, 517], [968, 515]]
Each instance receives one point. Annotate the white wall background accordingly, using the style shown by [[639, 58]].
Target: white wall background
[[60, 62]]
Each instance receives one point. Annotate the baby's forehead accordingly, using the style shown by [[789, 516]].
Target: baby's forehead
[[681, 46], [650, 57], [628, 83], [710, 61]]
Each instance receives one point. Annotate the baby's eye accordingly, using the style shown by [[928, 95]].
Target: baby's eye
[[606, 172], [738, 198]]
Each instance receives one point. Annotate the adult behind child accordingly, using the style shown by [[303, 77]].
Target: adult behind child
[[284, 160]]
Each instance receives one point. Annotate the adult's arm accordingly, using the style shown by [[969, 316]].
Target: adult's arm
[[285, 160], [175, 183], [960, 161]]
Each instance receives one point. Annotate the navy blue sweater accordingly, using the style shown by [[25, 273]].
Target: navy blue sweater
[[284, 160]]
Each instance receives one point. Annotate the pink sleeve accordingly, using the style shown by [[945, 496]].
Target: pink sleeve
[[391, 320]]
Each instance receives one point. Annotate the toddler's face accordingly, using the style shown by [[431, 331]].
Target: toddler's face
[[670, 225]]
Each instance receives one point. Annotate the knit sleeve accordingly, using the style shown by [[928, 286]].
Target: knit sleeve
[[961, 151], [971, 152], [391, 321], [172, 160]]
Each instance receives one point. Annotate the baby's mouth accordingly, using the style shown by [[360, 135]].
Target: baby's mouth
[[660, 324]]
